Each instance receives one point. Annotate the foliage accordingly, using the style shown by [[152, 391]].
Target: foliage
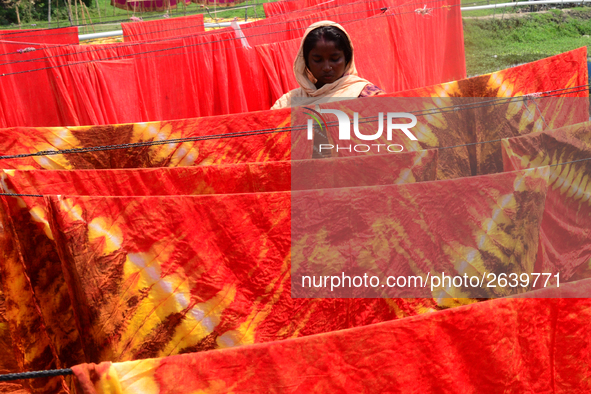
[[31, 11]]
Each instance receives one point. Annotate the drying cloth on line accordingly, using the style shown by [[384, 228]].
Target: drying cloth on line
[[565, 240], [62, 35], [209, 82], [476, 348], [162, 28]]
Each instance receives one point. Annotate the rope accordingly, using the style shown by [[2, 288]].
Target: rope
[[37, 374], [137, 144]]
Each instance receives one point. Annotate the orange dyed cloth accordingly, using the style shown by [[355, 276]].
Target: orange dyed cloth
[[565, 240], [506, 345], [36, 279], [154, 276], [60, 301]]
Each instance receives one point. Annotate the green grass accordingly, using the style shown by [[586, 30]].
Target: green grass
[[495, 44]]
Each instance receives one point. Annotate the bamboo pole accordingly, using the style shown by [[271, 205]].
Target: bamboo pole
[[70, 15], [83, 17], [98, 7], [18, 16], [49, 13], [88, 13], [76, 8]]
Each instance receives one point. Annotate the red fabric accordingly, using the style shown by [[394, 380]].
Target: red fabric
[[473, 148], [567, 70], [99, 97], [263, 146], [285, 7], [37, 281], [228, 179], [506, 345], [63, 35], [276, 146], [46, 350], [8, 358], [433, 36], [20, 93], [162, 28], [214, 84], [24, 326], [249, 284]]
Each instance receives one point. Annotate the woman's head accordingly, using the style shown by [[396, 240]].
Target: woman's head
[[327, 52]]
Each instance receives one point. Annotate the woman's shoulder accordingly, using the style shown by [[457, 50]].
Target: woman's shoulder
[[371, 90], [285, 100]]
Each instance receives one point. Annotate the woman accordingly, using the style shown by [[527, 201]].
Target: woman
[[324, 68]]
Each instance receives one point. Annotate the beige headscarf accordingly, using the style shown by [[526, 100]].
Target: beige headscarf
[[348, 86]]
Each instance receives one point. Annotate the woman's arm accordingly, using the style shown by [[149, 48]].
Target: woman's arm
[[371, 90]]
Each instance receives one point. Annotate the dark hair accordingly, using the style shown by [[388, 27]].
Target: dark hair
[[328, 33]]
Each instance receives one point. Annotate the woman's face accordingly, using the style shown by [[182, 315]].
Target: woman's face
[[326, 62]]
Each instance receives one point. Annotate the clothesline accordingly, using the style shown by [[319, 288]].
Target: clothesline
[[36, 374]]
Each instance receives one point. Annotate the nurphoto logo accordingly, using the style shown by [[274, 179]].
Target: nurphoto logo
[[345, 129]]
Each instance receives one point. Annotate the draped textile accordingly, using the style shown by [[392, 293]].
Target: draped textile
[[37, 259], [467, 130], [37, 280], [20, 91], [275, 146], [221, 75], [506, 345], [226, 179], [97, 95], [567, 70], [238, 142], [284, 7], [62, 35], [162, 28], [62, 317], [565, 244], [170, 282]]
